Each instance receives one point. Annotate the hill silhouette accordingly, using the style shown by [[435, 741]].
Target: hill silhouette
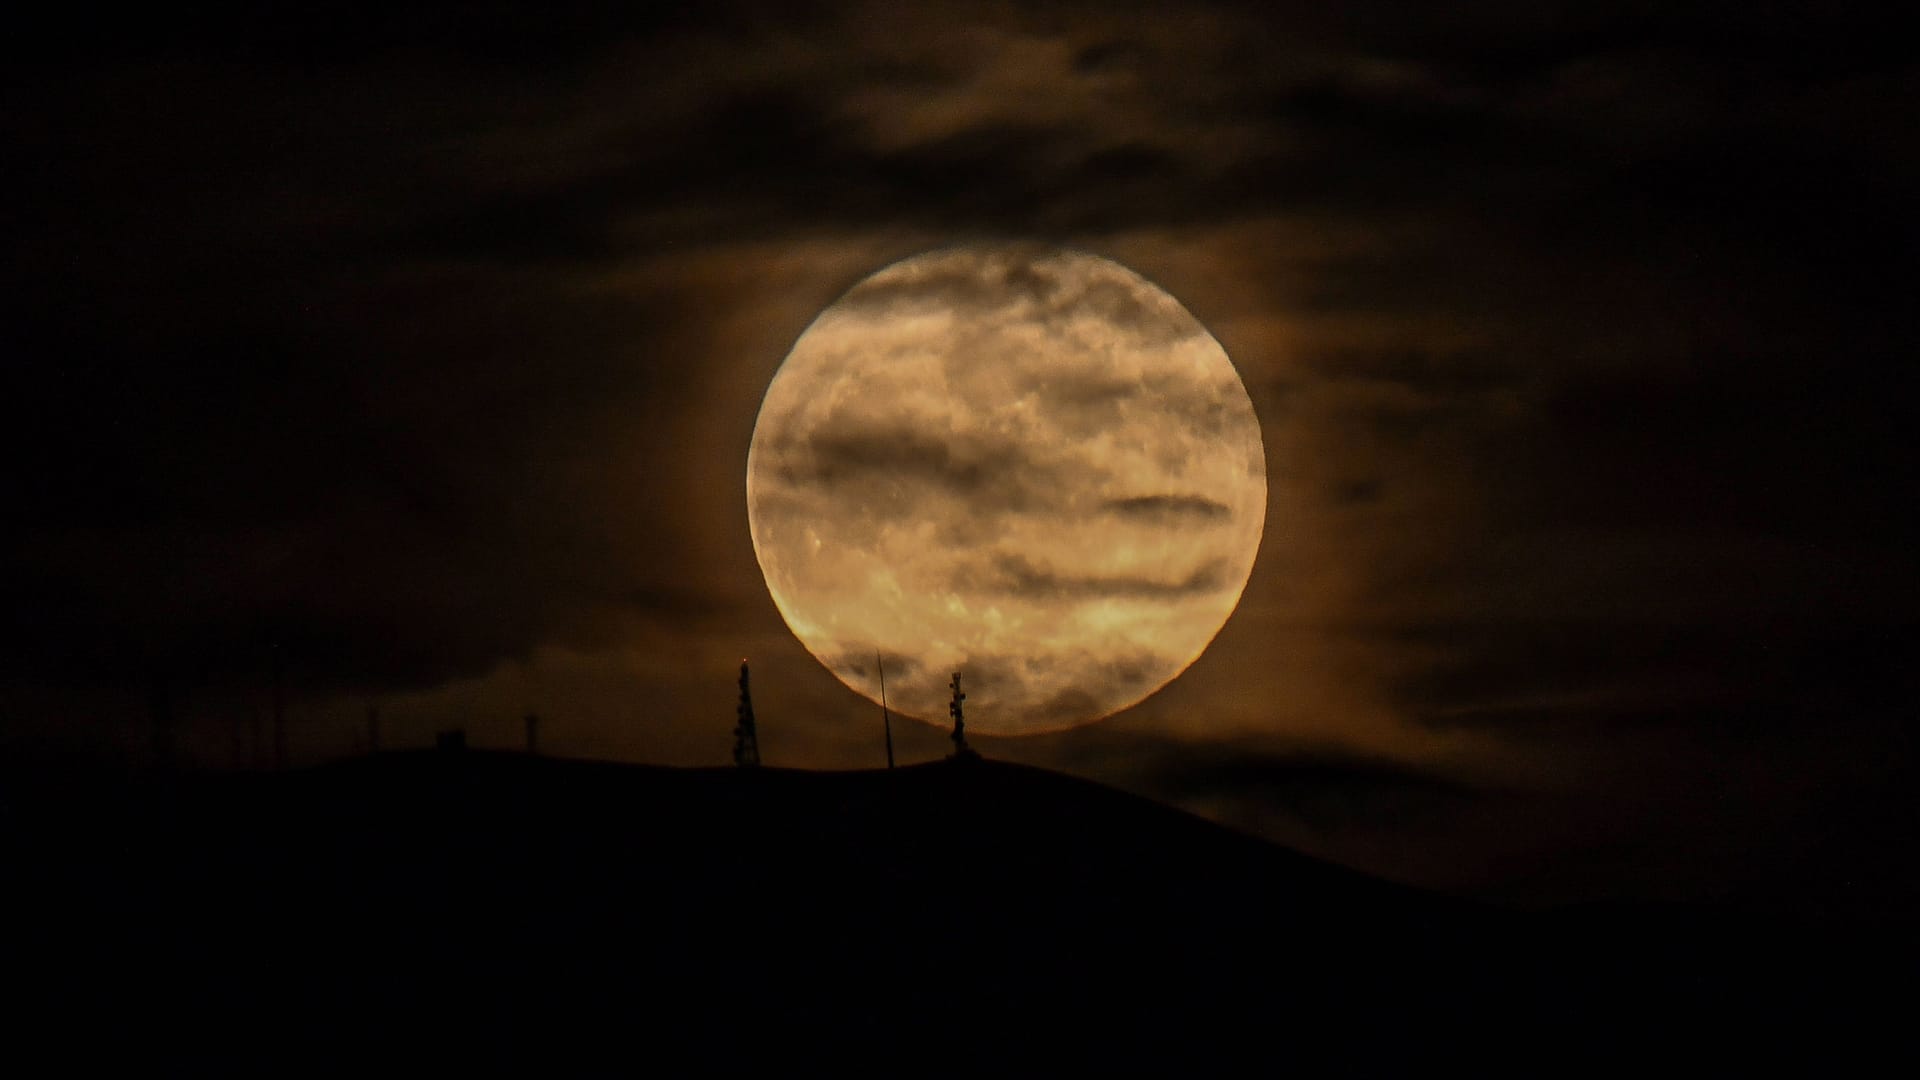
[[496, 909]]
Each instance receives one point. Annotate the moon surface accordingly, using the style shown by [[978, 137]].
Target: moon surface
[[1028, 465]]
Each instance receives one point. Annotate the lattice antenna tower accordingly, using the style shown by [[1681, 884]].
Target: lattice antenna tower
[[746, 740], [957, 711]]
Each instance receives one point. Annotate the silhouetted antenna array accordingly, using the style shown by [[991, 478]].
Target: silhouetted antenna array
[[746, 741], [960, 748]]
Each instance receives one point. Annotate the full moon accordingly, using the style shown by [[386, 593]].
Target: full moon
[[1028, 465]]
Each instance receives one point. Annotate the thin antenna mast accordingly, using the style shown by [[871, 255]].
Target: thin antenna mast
[[884, 717]]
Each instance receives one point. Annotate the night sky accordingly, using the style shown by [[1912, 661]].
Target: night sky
[[424, 351]]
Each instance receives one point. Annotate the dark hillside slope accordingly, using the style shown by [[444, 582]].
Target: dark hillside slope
[[498, 909]]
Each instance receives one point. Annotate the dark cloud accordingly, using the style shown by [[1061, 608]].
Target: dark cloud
[[1084, 403], [1708, 674], [1169, 509], [1014, 574], [977, 283], [1067, 706], [1088, 684], [1678, 445], [961, 466], [1357, 492], [879, 473], [1328, 790], [1422, 371], [976, 286], [862, 666]]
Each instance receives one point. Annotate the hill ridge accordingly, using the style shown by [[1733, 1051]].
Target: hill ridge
[[990, 909]]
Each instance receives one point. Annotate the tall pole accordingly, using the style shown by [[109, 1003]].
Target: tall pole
[[884, 717], [533, 733], [373, 729]]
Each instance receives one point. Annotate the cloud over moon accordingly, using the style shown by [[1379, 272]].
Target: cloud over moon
[[1192, 508], [1029, 465]]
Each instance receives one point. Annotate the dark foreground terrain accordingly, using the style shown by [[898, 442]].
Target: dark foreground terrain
[[454, 910]]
